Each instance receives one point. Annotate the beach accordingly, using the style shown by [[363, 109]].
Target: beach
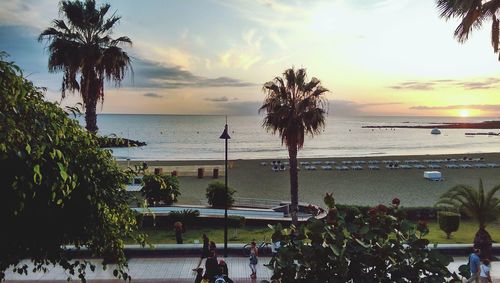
[[360, 187]]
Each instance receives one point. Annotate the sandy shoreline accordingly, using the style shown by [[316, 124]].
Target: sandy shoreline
[[364, 187]]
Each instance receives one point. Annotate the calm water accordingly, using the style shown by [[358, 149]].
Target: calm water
[[171, 137]]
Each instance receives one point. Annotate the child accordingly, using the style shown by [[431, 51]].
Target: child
[[484, 275], [254, 253]]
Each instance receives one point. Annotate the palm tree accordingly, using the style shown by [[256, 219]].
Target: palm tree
[[294, 107], [473, 13], [81, 46], [484, 208]]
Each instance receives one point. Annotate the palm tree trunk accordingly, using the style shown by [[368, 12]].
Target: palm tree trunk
[[91, 116], [294, 183], [482, 240]]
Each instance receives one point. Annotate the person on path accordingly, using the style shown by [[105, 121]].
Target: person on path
[[223, 275], [204, 251], [474, 263], [178, 228], [254, 253], [211, 267], [484, 274]]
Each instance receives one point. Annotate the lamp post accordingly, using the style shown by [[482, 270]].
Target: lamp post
[[225, 136]]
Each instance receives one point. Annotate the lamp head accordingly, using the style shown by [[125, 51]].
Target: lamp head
[[225, 135]]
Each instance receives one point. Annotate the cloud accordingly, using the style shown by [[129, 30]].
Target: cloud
[[413, 85], [484, 107], [484, 83], [218, 99], [242, 108], [153, 95], [148, 74]]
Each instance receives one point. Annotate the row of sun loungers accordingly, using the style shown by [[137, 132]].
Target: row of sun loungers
[[389, 164]]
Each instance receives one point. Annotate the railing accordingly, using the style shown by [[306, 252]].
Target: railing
[[257, 203]]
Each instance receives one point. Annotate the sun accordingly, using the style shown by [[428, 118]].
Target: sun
[[464, 113]]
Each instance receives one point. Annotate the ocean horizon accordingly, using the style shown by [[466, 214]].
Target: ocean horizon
[[196, 137]]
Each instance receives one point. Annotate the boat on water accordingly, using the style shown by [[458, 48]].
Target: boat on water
[[435, 131]]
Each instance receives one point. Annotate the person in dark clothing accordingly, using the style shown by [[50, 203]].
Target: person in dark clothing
[[178, 231], [211, 267], [204, 251], [224, 272]]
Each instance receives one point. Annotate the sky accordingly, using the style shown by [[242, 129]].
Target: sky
[[377, 57]]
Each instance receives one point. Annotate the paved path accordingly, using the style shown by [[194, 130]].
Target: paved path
[[178, 270]]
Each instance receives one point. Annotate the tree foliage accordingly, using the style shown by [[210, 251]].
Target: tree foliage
[[472, 15], [377, 246], [58, 187], [160, 189], [293, 108], [216, 192], [81, 46], [449, 222], [484, 207]]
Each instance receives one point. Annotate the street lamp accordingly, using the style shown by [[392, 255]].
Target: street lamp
[[225, 136]]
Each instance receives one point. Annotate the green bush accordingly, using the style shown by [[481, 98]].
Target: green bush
[[58, 187], [449, 222], [186, 216], [379, 245], [216, 193], [160, 189]]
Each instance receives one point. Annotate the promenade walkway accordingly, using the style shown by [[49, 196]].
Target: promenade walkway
[[178, 269]]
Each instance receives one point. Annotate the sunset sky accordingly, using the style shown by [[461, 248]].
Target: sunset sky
[[378, 57]]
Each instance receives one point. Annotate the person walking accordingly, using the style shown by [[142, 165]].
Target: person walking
[[204, 251], [484, 274], [211, 267], [254, 253], [178, 228], [474, 263]]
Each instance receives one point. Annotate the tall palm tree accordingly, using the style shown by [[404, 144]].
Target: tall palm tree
[[481, 206], [81, 46], [473, 14], [293, 108]]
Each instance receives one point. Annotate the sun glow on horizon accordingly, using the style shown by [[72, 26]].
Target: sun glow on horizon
[[464, 113]]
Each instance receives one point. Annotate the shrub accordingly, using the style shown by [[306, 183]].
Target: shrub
[[58, 187], [186, 216], [379, 245], [160, 189], [216, 193], [448, 222]]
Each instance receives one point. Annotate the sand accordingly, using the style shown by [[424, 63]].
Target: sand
[[364, 187]]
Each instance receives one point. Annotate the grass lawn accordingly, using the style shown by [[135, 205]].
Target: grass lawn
[[465, 234], [243, 235]]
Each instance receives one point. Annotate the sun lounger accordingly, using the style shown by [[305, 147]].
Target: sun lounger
[[263, 163], [316, 162], [275, 168], [342, 168], [492, 165], [359, 162], [356, 167], [405, 166], [304, 163], [373, 162], [326, 167], [373, 167], [452, 166], [480, 165], [346, 162], [434, 166], [465, 165], [419, 166]]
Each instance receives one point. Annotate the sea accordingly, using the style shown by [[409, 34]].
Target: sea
[[196, 137]]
